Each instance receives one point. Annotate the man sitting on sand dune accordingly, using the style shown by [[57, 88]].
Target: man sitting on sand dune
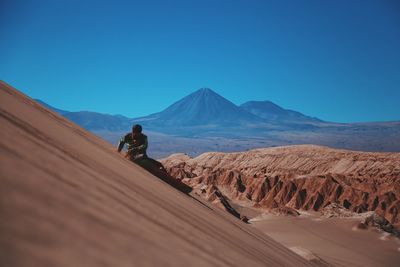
[[137, 144], [137, 147]]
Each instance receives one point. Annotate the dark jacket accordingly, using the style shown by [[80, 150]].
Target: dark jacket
[[137, 147]]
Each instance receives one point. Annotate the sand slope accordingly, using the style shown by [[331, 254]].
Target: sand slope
[[334, 240], [67, 199]]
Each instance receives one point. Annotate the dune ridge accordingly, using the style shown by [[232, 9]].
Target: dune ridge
[[68, 199]]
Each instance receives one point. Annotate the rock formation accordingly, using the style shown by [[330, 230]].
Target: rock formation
[[305, 177]]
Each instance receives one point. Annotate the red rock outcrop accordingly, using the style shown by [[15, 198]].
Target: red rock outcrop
[[304, 177]]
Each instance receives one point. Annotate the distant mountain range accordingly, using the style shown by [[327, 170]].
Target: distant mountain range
[[211, 122], [59, 111], [272, 112], [203, 110], [94, 121]]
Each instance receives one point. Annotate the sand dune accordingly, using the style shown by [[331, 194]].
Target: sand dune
[[68, 199]]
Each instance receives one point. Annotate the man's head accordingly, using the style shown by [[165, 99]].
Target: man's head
[[136, 130]]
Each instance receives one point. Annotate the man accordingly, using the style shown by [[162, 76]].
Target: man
[[137, 144]]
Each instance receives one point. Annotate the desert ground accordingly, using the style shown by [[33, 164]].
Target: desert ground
[[310, 198], [334, 240], [68, 199]]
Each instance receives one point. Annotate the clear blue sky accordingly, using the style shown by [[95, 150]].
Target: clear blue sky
[[336, 60]]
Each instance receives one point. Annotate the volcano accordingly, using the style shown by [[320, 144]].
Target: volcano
[[201, 108]]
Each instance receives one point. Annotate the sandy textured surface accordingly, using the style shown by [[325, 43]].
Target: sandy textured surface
[[68, 199], [334, 240]]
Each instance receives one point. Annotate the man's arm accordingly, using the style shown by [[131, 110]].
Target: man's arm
[[144, 146], [121, 144]]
